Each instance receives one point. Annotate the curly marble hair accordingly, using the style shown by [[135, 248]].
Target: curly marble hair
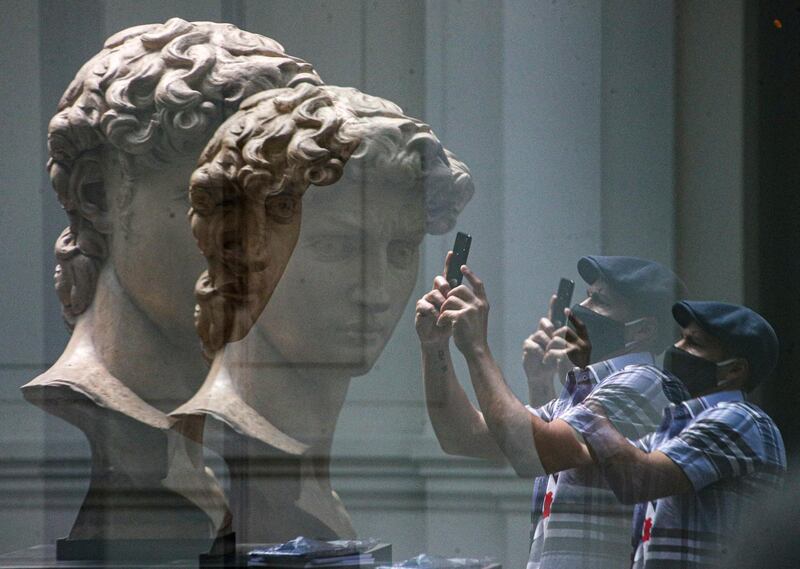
[[279, 143], [154, 92], [251, 177], [405, 148]]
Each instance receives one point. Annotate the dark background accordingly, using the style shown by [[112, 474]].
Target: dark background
[[775, 225]]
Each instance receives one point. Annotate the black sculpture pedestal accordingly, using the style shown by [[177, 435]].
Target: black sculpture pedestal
[[119, 554], [44, 557], [142, 549]]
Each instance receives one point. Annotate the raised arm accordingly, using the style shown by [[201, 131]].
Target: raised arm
[[531, 444], [722, 443], [638, 476], [460, 428]]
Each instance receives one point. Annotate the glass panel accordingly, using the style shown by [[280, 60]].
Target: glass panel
[[251, 205]]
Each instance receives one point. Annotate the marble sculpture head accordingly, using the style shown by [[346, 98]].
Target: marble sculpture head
[[398, 184], [123, 144], [246, 197]]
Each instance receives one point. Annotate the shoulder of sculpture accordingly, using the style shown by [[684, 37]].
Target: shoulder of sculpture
[[220, 401], [73, 387]]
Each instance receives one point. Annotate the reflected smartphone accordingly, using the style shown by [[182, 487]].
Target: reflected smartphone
[[460, 254], [563, 300]]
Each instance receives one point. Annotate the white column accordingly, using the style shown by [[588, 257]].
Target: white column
[[551, 160], [463, 103], [638, 115], [709, 148]]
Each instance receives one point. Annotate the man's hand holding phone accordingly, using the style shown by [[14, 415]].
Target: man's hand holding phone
[[466, 310], [571, 345], [542, 356], [579, 348], [554, 348], [428, 310], [461, 311]]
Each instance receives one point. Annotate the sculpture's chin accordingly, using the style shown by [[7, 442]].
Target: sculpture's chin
[[362, 370]]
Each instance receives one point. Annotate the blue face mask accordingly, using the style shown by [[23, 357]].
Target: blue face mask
[[606, 334], [697, 374]]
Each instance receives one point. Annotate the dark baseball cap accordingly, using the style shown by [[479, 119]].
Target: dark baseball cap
[[650, 287], [744, 332]]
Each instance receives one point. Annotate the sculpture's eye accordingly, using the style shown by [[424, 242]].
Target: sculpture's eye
[[402, 253], [282, 209], [331, 248]]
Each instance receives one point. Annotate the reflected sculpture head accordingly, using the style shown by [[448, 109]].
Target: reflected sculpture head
[[124, 142], [357, 258], [246, 198]]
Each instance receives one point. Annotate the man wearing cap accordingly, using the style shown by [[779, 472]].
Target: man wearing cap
[[618, 327], [709, 462]]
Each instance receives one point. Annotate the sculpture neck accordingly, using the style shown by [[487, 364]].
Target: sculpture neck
[[135, 351], [302, 403]]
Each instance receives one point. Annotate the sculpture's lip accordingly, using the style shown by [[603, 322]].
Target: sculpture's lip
[[365, 333], [364, 327]]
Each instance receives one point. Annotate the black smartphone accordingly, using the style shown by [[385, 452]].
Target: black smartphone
[[460, 254], [563, 300]]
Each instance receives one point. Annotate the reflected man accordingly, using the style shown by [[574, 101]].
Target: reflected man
[[618, 328], [714, 457]]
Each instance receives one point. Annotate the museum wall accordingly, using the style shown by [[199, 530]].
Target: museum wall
[[23, 287], [589, 127]]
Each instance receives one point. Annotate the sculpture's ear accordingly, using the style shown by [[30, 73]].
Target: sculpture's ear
[[89, 193], [91, 197]]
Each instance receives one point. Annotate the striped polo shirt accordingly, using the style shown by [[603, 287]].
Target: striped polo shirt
[[733, 455], [577, 521]]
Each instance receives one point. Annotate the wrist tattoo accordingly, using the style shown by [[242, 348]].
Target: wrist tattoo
[[443, 369]]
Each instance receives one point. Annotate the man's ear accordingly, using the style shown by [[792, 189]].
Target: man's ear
[[734, 375], [642, 331], [89, 193]]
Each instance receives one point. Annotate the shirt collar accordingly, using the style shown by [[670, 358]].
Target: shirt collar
[[714, 399], [677, 416], [602, 370], [590, 376]]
